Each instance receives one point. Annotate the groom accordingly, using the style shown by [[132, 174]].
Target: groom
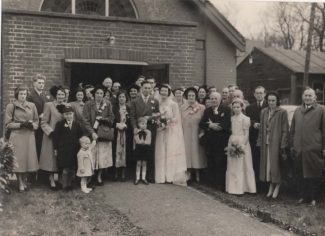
[[145, 105]]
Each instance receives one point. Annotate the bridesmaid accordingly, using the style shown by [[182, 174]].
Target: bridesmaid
[[240, 176], [192, 113], [202, 94], [273, 140], [178, 97], [51, 115]]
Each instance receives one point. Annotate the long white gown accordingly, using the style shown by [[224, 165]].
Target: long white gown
[[240, 174], [170, 157]]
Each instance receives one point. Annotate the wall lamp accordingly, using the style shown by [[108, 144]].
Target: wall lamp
[[111, 39], [250, 59]]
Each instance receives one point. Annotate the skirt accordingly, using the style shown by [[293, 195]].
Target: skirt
[[142, 152], [103, 155]]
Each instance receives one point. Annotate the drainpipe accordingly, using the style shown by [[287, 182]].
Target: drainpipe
[[1, 76]]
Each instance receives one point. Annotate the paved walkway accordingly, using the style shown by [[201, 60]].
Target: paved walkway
[[165, 209]]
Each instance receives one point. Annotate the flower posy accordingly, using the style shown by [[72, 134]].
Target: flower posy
[[236, 151]]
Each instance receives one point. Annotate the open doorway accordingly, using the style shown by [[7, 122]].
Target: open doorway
[[91, 73]]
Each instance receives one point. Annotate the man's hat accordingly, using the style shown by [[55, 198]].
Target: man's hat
[[67, 108]]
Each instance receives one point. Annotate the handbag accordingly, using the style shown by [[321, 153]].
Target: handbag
[[8, 131], [105, 133]]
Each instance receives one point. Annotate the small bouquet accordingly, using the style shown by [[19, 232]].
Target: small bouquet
[[160, 121], [235, 150], [7, 164]]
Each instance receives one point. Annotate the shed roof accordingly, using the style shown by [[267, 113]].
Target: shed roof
[[295, 60]]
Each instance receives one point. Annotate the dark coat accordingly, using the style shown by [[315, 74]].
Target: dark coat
[[90, 113], [308, 139], [254, 113], [278, 129], [216, 141], [139, 109], [38, 100], [66, 142]]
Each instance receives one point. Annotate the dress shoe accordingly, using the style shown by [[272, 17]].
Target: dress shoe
[[300, 201], [145, 182], [136, 182]]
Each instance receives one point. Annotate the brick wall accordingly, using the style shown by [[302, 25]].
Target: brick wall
[[37, 42]]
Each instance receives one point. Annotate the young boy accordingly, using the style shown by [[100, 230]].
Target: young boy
[[66, 137]]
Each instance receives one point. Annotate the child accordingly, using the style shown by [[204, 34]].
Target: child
[[85, 162], [142, 140], [66, 145]]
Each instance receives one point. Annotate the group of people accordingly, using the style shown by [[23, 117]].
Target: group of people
[[167, 135]]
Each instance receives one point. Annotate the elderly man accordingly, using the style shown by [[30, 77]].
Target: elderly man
[[225, 96], [216, 125], [239, 94], [107, 83], [253, 111], [308, 145]]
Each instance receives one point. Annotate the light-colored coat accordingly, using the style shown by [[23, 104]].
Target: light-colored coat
[[191, 117], [86, 161], [23, 139], [51, 116], [308, 138], [278, 127]]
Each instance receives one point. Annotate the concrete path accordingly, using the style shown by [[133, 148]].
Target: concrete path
[[165, 209]]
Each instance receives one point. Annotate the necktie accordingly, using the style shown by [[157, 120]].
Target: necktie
[[142, 134]]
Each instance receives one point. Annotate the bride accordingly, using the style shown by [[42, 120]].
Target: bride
[[170, 159]]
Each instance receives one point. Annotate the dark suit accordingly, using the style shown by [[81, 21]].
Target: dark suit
[[140, 109], [253, 111], [39, 101], [216, 142]]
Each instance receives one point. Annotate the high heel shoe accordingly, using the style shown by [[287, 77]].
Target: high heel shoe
[[276, 191]]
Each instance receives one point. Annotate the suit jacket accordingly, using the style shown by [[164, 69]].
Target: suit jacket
[[139, 109], [254, 113], [38, 100], [66, 142], [90, 112], [217, 140]]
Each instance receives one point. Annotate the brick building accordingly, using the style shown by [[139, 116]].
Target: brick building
[[182, 42], [282, 71]]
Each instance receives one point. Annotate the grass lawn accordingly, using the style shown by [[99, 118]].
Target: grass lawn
[[43, 212], [302, 219]]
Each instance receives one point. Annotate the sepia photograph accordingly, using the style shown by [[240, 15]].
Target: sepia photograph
[[162, 117]]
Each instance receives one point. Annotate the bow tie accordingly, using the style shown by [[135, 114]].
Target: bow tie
[[142, 134]]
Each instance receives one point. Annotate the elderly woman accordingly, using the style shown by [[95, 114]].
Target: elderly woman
[[52, 114], [273, 139], [22, 119], [123, 135], [96, 113], [192, 113]]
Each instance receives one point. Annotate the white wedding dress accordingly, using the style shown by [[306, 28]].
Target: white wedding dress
[[170, 157]]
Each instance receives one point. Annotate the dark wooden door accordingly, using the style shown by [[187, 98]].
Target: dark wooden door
[[159, 71]]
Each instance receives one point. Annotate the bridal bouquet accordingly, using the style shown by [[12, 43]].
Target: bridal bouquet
[[235, 150], [160, 121]]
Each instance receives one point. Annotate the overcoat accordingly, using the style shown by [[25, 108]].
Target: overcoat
[[308, 138], [66, 142], [23, 139], [51, 116], [90, 113], [277, 129]]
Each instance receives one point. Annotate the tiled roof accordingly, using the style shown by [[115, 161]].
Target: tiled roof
[[295, 60]]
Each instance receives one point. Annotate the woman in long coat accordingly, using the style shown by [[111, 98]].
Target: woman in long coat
[[97, 112], [22, 119], [192, 113], [273, 139], [51, 115]]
